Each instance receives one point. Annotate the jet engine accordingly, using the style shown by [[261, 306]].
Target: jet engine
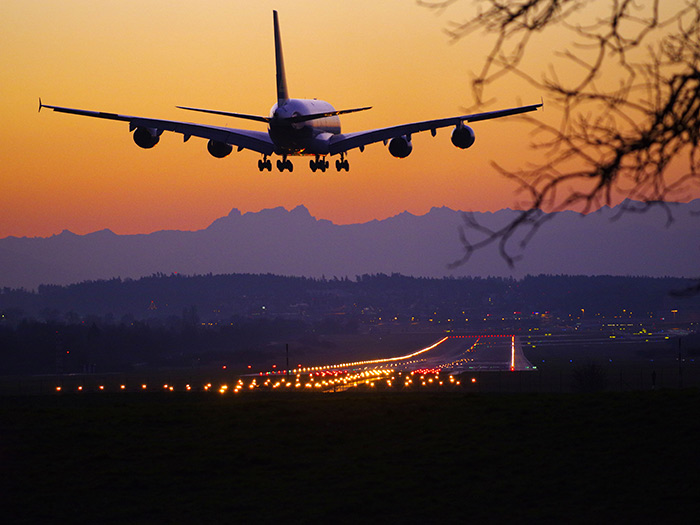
[[400, 147], [146, 138], [463, 136], [218, 149]]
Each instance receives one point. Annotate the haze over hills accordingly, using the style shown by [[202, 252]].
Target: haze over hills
[[295, 243]]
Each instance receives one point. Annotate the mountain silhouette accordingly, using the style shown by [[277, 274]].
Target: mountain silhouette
[[293, 242]]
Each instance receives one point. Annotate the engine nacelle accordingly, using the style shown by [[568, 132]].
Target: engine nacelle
[[146, 138], [400, 147], [218, 149], [463, 137]]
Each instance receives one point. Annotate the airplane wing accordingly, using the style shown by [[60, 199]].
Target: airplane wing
[[242, 138], [347, 141]]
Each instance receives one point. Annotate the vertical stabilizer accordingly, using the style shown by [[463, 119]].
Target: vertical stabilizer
[[282, 95]]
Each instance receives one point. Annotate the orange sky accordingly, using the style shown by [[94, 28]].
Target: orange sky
[[143, 58]]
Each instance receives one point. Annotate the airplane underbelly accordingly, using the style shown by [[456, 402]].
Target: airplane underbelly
[[307, 140]]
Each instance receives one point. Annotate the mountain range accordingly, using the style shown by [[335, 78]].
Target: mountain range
[[605, 242]]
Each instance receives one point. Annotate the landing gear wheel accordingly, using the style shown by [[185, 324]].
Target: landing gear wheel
[[342, 165], [318, 164], [285, 165]]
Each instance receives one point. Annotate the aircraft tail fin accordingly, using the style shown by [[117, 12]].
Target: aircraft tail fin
[[282, 94]]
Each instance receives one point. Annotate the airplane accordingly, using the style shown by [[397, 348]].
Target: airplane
[[296, 127]]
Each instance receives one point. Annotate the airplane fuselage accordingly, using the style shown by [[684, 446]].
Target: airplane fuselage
[[302, 138]]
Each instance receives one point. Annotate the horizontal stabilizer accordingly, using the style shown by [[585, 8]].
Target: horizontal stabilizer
[[314, 116], [295, 119], [228, 114]]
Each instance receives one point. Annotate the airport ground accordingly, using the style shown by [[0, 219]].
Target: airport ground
[[518, 446], [381, 457], [552, 364]]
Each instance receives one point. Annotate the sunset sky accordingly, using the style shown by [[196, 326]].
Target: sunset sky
[[143, 58]]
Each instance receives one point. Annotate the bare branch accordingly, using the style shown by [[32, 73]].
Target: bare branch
[[637, 138]]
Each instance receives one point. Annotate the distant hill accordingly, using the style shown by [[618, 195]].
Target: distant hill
[[295, 243]]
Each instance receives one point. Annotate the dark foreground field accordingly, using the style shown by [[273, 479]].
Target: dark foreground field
[[409, 457]]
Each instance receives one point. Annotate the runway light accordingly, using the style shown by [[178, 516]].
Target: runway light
[[473, 379]]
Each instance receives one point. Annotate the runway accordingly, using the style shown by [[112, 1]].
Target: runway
[[454, 353]]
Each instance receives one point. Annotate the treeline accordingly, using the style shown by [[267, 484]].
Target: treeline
[[51, 347], [219, 297], [191, 321]]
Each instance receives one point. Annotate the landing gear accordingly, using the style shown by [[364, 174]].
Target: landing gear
[[342, 164], [264, 164], [318, 164], [285, 164]]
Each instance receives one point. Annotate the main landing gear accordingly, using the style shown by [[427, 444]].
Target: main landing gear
[[323, 165], [315, 164], [342, 164], [318, 164], [264, 164], [285, 164]]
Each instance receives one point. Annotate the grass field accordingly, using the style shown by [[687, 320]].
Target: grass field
[[377, 457]]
